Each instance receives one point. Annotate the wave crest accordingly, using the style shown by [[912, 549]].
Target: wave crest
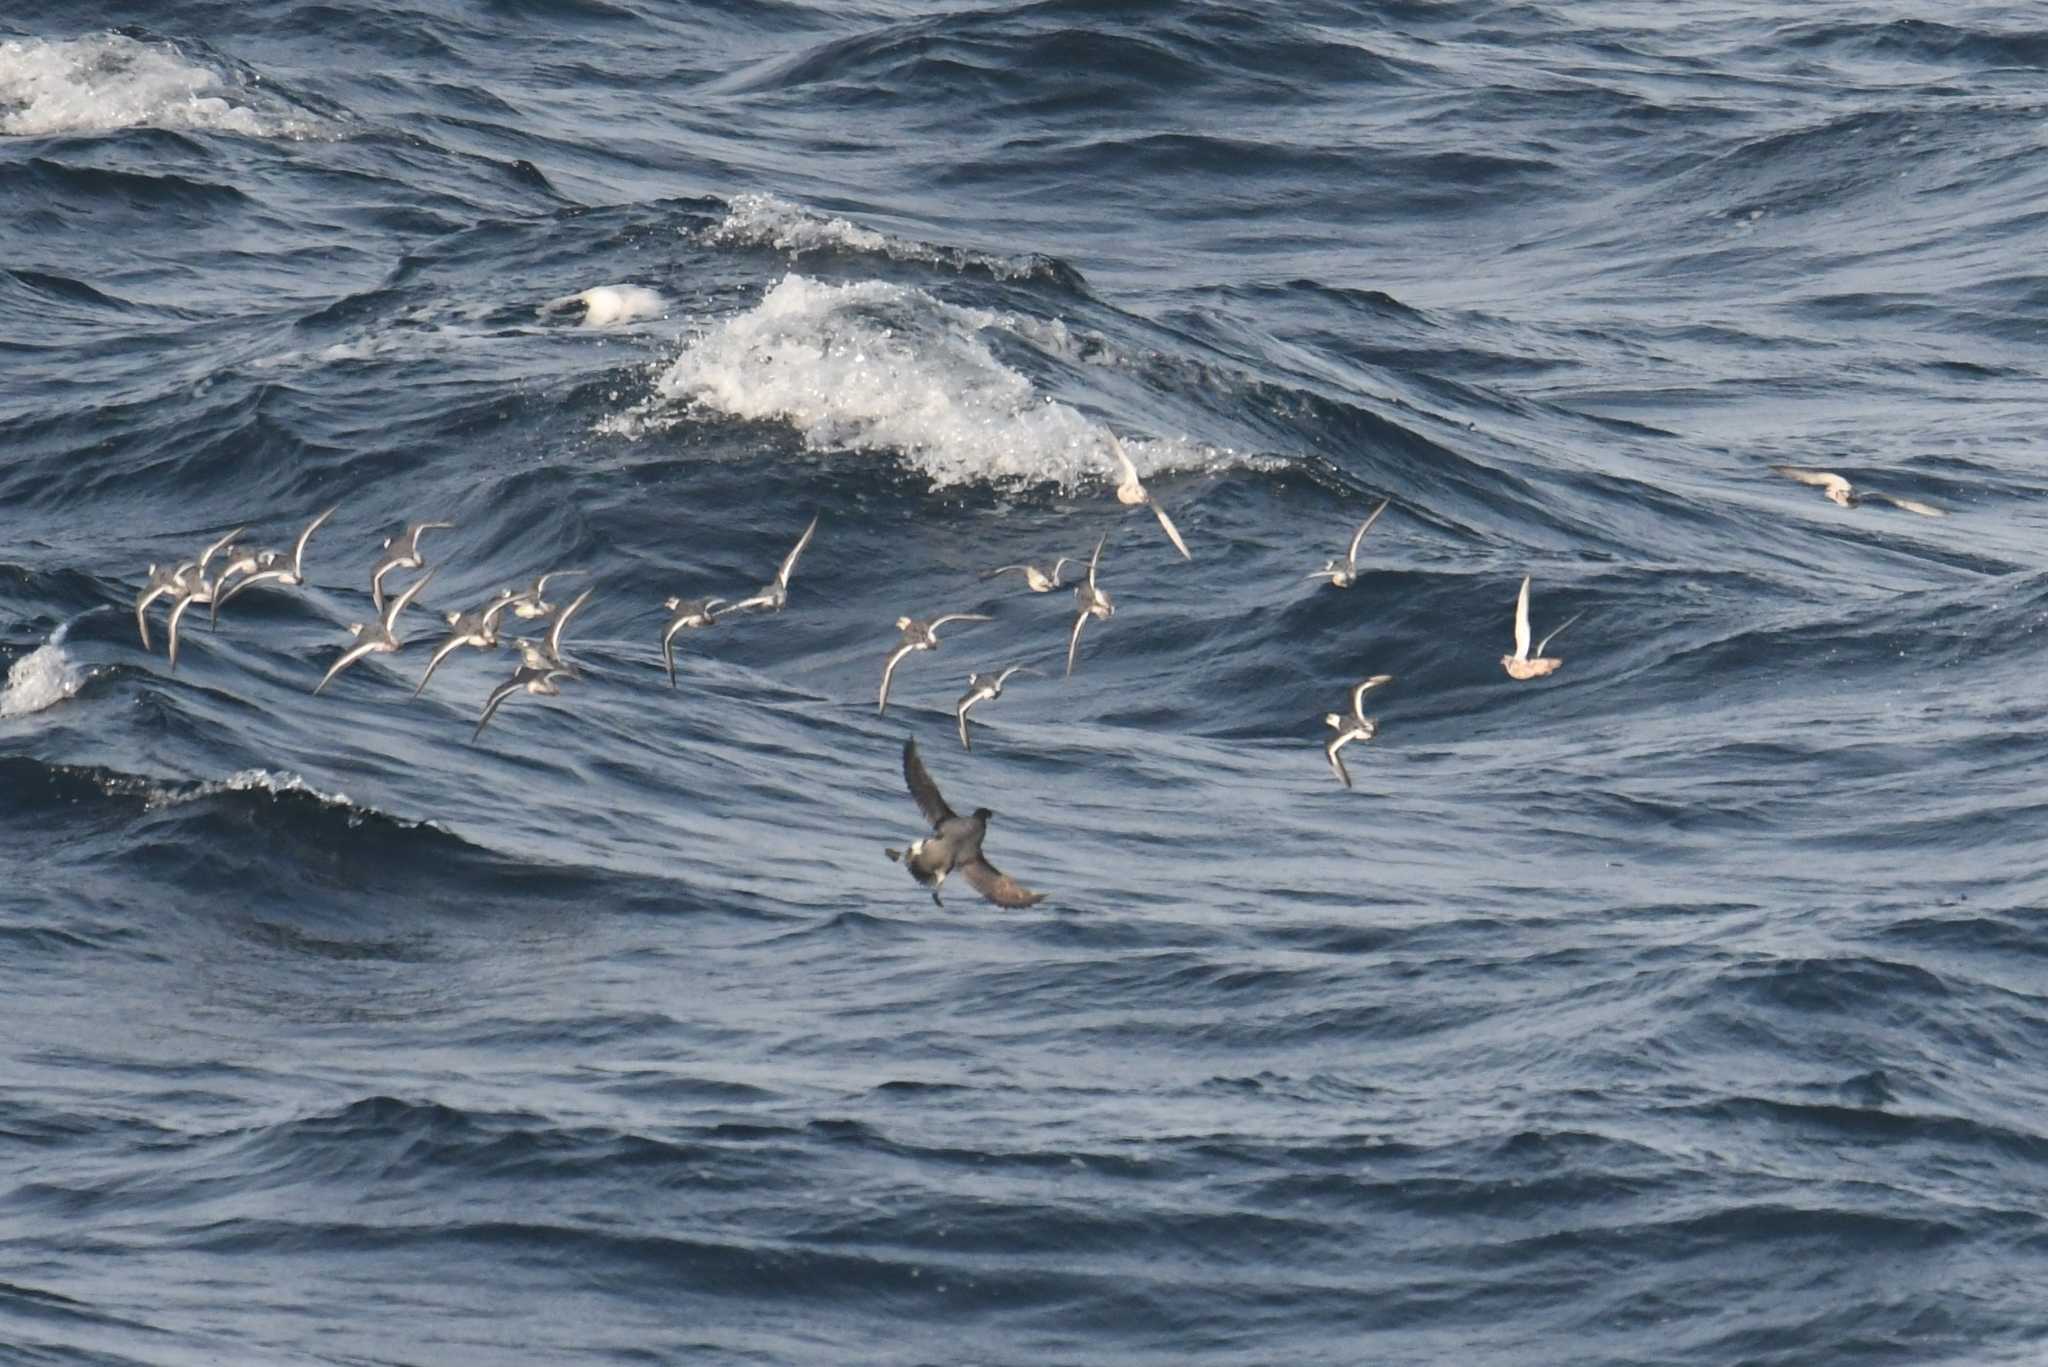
[[876, 366], [758, 220], [106, 81]]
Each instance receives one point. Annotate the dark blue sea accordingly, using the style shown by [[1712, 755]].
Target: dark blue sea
[[1688, 1005]]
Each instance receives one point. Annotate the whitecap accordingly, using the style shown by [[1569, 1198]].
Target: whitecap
[[877, 366], [758, 220], [105, 81], [45, 676]]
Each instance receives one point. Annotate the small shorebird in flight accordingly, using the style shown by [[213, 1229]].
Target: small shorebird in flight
[[1131, 492], [539, 680], [532, 602], [549, 652], [401, 552], [271, 568], [1037, 579], [954, 844], [1343, 574], [1839, 490], [1357, 726], [775, 593], [983, 688], [693, 613], [196, 589], [376, 638], [277, 572], [161, 581], [1521, 664], [478, 629], [1093, 603], [918, 634]]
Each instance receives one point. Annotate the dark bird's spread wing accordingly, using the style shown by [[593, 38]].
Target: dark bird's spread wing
[[998, 887], [923, 790]]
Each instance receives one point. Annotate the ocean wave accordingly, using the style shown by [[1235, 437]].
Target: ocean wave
[[759, 220], [881, 367], [107, 81]]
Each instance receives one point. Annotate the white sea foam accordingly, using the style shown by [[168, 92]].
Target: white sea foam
[[754, 220], [875, 366], [604, 305], [157, 794], [44, 676], [105, 81]]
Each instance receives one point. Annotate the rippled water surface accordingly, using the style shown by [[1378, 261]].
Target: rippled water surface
[[1683, 1006]]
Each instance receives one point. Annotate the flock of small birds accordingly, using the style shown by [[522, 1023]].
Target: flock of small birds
[[225, 569]]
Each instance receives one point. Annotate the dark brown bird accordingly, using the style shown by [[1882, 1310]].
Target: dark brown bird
[[954, 844]]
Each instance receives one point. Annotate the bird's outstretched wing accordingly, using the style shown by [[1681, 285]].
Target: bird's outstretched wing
[[1359, 691], [1910, 505], [1330, 749], [1074, 641], [1544, 644], [888, 673], [445, 649], [789, 561], [997, 886], [1824, 479], [1359, 536], [1522, 621], [299, 546], [922, 790], [1172, 532]]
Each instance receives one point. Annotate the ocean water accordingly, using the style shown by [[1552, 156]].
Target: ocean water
[[1683, 1007]]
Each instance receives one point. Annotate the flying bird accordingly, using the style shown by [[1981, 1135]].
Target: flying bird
[[1521, 665], [401, 552], [918, 634], [1035, 578], [1131, 492], [1343, 574], [283, 575], [983, 688], [375, 638], [775, 593], [954, 844], [1093, 603], [1839, 490], [694, 613], [1357, 726]]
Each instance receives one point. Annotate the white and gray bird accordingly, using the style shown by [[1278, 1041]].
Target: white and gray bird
[[284, 574], [195, 588], [983, 688], [1342, 574], [549, 651], [688, 615], [477, 629], [531, 603], [537, 680], [172, 581], [775, 592], [918, 634], [1038, 580], [1092, 601], [375, 638], [1522, 664], [954, 844], [1357, 726], [1131, 492], [1839, 490], [401, 552]]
